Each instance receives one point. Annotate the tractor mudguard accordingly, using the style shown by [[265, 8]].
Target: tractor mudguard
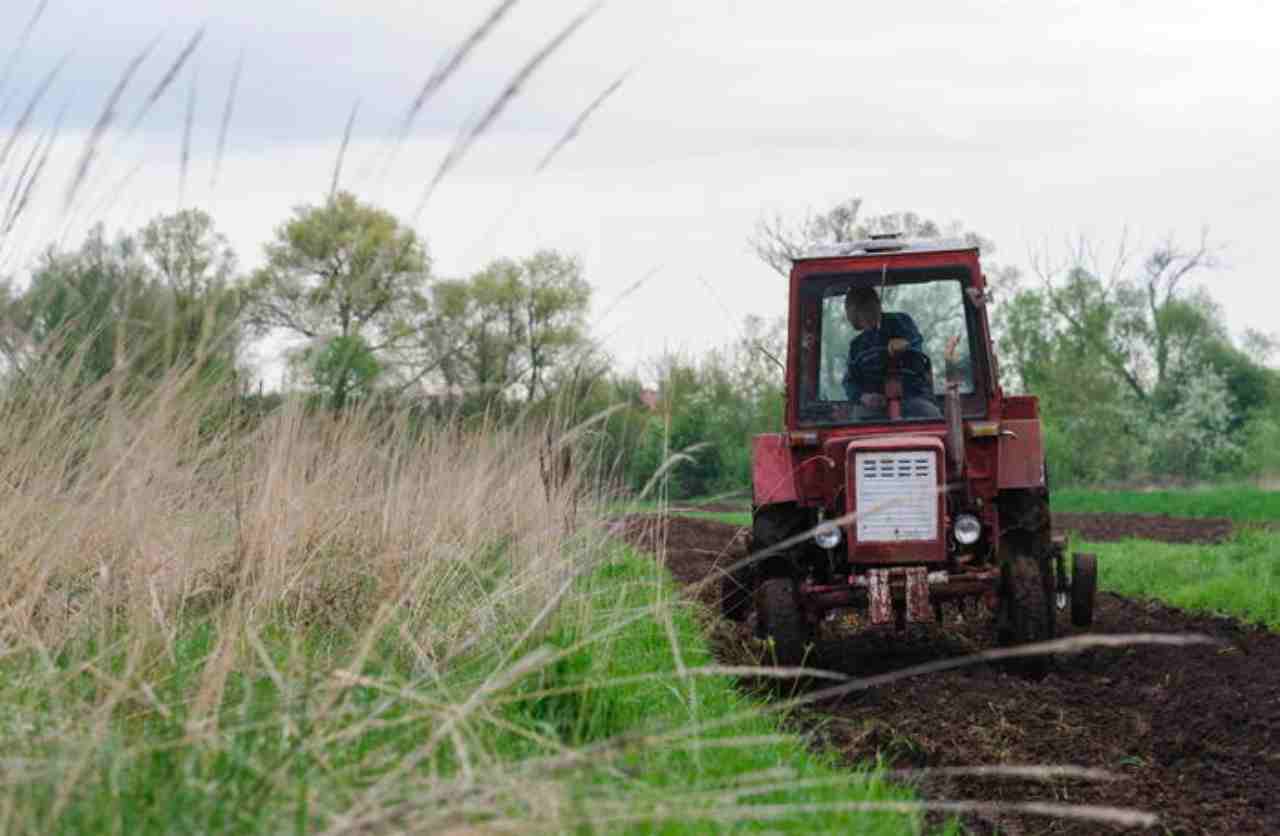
[[1021, 455], [773, 477]]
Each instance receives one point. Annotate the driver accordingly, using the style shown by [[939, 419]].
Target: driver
[[882, 335]]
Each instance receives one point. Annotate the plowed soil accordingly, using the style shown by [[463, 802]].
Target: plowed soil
[[1193, 732], [1110, 527]]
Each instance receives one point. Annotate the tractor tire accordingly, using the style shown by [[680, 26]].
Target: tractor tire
[[1084, 588], [782, 621], [735, 593], [1030, 612]]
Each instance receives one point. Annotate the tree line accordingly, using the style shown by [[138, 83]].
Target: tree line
[[345, 288], [1138, 376]]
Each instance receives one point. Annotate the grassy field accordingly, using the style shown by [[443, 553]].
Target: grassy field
[[335, 623], [1240, 578], [606, 733], [1240, 503]]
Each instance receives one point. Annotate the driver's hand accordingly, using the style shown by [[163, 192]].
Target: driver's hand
[[874, 400], [952, 344], [897, 345]]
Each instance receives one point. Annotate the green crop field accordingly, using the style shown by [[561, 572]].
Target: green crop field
[[1239, 503], [1240, 578]]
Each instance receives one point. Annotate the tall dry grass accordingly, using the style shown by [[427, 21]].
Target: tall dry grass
[[158, 552]]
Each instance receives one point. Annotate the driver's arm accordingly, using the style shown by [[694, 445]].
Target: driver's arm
[[903, 335]]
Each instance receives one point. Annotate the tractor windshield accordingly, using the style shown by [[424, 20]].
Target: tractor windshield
[[859, 333]]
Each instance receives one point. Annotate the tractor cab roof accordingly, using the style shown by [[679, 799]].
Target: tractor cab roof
[[890, 244]]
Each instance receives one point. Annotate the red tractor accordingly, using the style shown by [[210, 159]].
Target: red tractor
[[906, 478]]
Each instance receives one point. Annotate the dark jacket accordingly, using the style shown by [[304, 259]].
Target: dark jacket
[[868, 356]]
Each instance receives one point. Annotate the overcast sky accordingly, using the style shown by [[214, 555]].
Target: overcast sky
[[1030, 122]]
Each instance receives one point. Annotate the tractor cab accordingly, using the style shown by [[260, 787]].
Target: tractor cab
[[847, 371], [904, 477]]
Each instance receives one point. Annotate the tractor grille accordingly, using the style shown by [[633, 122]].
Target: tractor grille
[[897, 494]]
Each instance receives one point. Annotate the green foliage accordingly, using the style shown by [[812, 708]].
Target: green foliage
[[1240, 578], [346, 270], [164, 298], [511, 327], [1137, 376], [342, 267], [1262, 444], [707, 412], [87, 306], [344, 368], [1244, 504]]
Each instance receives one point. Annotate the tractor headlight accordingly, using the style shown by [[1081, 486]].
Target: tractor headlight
[[827, 535], [967, 529]]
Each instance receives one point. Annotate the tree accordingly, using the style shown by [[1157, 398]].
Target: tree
[[554, 305], [347, 270], [189, 257], [188, 254], [1130, 360], [513, 325], [163, 298], [343, 367], [88, 309], [778, 241], [1145, 328], [477, 331]]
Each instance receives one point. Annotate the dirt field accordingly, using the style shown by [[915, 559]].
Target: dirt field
[[1194, 733], [1108, 527]]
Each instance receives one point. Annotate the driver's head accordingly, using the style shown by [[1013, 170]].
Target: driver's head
[[862, 307]]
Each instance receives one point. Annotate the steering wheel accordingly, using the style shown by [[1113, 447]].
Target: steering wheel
[[893, 377]]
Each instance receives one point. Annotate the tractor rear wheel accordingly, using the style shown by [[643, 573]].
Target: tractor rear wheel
[[1029, 612], [1084, 588], [782, 621]]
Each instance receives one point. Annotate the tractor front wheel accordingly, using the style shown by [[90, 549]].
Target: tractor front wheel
[[782, 620], [1028, 603]]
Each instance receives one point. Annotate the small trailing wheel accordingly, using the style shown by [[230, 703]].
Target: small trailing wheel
[[735, 593], [782, 620], [1028, 608], [1084, 588]]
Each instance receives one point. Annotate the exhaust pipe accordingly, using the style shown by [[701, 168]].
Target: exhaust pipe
[[955, 430]]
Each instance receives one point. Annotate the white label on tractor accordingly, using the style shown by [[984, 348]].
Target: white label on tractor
[[897, 496]]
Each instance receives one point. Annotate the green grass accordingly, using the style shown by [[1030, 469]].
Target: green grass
[[739, 518], [665, 773], [278, 762], [1239, 578], [653, 506], [1239, 503]]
